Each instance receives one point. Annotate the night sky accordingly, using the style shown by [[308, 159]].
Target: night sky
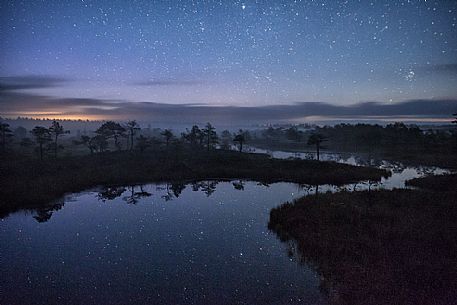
[[229, 53]]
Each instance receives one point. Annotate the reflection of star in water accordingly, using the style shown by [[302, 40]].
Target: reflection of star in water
[[410, 76]]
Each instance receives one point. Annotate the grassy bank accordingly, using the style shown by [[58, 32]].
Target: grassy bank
[[445, 183], [378, 247], [29, 182]]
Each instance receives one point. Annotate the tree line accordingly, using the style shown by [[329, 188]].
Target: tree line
[[115, 136], [358, 138]]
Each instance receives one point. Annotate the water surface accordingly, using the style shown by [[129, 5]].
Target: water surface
[[200, 243], [151, 247]]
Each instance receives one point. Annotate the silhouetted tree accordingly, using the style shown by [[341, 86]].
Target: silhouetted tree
[[155, 142], [142, 143], [5, 134], [100, 142], [42, 136], [240, 139], [88, 142], [316, 139], [26, 143], [132, 128], [210, 136], [168, 135], [226, 139], [194, 137], [293, 134], [56, 130], [113, 130]]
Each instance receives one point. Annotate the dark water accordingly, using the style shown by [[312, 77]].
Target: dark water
[[194, 249], [205, 243]]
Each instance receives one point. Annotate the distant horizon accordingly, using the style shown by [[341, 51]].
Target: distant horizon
[[228, 53], [16, 102]]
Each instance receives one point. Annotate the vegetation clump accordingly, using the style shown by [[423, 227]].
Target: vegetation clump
[[435, 183], [378, 247]]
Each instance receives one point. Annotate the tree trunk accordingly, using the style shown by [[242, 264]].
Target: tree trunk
[[3, 141], [41, 151], [55, 147], [131, 141], [241, 146], [317, 147]]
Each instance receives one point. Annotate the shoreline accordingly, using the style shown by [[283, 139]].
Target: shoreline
[[33, 183]]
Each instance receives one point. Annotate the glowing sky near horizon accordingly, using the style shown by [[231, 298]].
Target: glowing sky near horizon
[[234, 52]]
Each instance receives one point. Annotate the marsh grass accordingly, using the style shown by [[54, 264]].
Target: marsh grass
[[378, 247]]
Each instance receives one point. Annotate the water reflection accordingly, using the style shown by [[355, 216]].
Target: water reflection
[[43, 214], [238, 185], [209, 244], [134, 193], [208, 187], [110, 193], [169, 191]]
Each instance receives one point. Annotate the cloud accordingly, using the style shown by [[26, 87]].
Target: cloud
[[18, 104], [9, 83]]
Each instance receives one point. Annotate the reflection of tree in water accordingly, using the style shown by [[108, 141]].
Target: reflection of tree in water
[[172, 190], [168, 194], [238, 185], [135, 196], [45, 213], [111, 193], [370, 184], [262, 183], [177, 188], [207, 187], [309, 189]]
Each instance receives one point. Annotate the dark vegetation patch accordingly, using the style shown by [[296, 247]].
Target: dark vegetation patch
[[378, 247], [447, 183], [399, 142], [30, 182]]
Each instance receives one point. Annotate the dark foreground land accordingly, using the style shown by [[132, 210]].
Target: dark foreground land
[[28, 183], [378, 247], [436, 183]]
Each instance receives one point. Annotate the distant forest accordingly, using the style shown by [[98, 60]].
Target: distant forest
[[51, 139]]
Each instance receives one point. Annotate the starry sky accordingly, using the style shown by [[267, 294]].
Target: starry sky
[[228, 53]]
